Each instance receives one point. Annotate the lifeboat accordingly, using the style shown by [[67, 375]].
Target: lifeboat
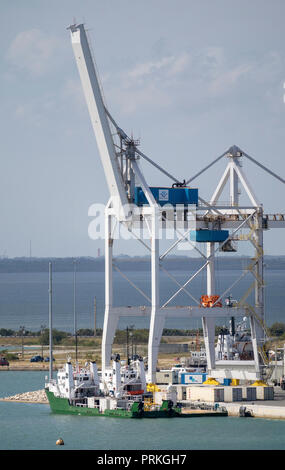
[[135, 392], [210, 301]]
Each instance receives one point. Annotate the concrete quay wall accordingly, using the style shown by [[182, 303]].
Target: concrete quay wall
[[258, 411]]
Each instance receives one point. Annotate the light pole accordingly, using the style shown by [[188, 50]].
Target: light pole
[[95, 312], [50, 324], [128, 361], [74, 309], [22, 331], [43, 327], [132, 344]]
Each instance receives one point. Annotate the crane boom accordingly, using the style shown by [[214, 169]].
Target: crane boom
[[98, 116]]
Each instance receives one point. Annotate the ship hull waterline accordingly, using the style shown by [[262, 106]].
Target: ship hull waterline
[[62, 406]]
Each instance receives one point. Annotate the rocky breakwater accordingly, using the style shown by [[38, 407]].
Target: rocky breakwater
[[37, 396]]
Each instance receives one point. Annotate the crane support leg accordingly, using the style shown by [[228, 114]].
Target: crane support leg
[[110, 318], [255, 329], [209, 323], [209, 338], [259, 281], [155, 333], [156, 320], [109, 330], [211, 282]]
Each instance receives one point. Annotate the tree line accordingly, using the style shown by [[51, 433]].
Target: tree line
[[139, 336]]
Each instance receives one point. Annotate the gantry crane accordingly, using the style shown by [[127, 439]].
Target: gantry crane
[[192, 220]]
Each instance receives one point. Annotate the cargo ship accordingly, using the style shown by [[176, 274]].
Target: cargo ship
[[121, 392]]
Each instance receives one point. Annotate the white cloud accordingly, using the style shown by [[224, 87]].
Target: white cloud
[[264, 71], [131, 99], [229, 78], [32, 50], [149, 68], [191, 79], [169, 65], [179, 64]]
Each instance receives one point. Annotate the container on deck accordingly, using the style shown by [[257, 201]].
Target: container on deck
[[104, 404], [171, 394]]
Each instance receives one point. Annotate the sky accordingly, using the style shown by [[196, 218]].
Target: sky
[[187, 78]]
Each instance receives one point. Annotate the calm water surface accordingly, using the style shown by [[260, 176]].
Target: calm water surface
[[34, 427], [24, 297]]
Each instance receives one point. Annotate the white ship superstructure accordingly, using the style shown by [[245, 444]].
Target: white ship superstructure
[[234, 344], [117, 381]]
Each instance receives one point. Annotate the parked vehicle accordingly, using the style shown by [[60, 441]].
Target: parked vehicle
[[3, 361], [36, 359], [47, 359]]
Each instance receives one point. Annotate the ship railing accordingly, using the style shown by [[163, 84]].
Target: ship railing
[[129, 382], [197, 405], [275, 216], [51, 382]]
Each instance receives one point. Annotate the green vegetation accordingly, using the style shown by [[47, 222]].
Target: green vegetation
[[135, 336], [57, 337], [277, 329], [5, 332], [87, 338], [177, 332], [8, 355], [139, 335], [89, 332]]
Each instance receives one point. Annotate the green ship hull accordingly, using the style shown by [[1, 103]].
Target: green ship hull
[[62, 405]]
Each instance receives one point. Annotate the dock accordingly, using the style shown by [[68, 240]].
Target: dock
[[189, 412], [267, 409]]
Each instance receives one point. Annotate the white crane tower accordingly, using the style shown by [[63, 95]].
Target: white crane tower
[[193, 220]]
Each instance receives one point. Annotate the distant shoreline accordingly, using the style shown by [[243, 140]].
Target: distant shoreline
[[136, 263]]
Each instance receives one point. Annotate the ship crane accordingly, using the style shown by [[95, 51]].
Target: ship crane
[[193, 220]]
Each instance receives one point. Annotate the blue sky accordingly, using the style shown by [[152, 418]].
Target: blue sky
[[188, 78]]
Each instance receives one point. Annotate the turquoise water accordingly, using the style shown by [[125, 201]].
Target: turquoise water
[[34, 427]]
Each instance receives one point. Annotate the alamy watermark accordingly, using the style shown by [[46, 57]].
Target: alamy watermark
[[172, 223]]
